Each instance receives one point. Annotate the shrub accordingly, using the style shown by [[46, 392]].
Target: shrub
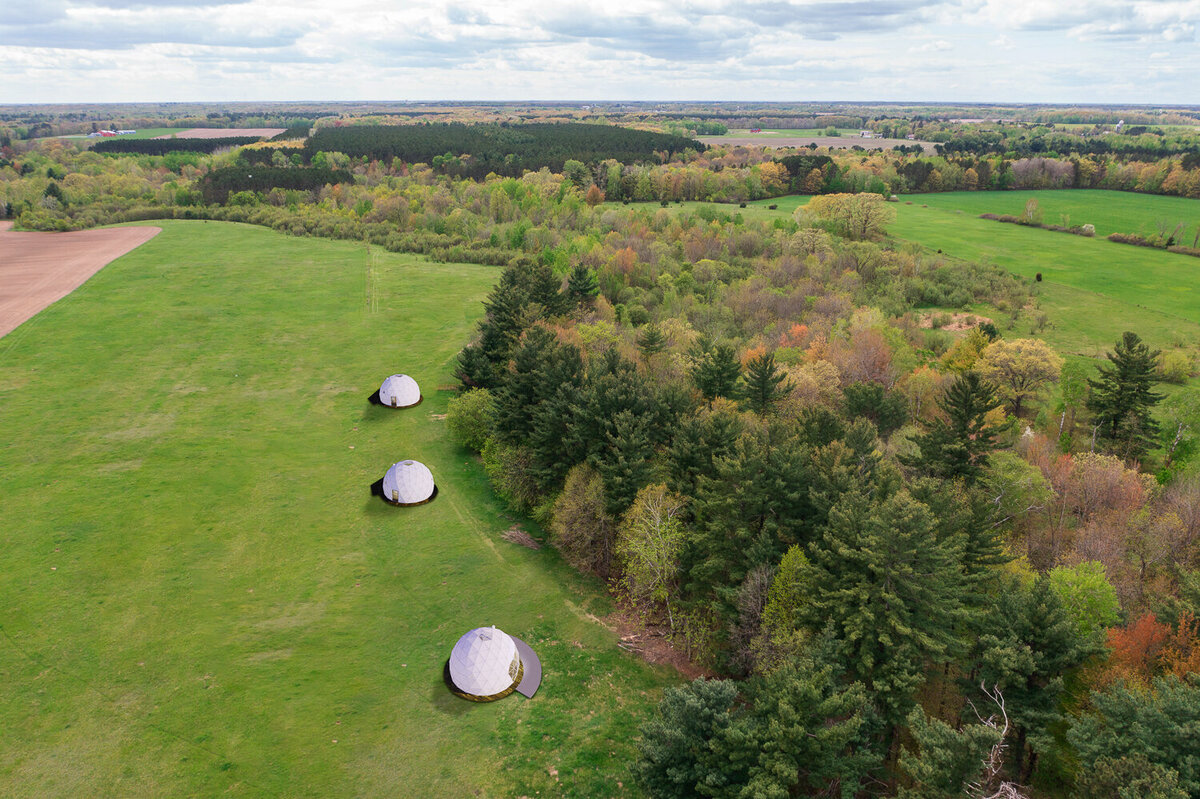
[[1175, 367], [469, 418], [582, 530]]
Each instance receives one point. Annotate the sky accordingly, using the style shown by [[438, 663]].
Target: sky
[[1004, 51]]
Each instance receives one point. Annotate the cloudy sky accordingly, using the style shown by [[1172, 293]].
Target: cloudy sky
[[1061, 51]]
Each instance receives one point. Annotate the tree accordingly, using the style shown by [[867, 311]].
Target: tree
[[582, 285], [1025, 645], [945, 762], [651, 341], [594, 196], [1121, 398], [958, 447], [715, 370], [764, 384], [1021, 368], [890, 590], [1159, 724], [855, 216], [581, 528], [469, 418], [798, 731], [674, 753], [1087, 596], [625, 462], [885, 408], [1129, 777], [649, 541], [747, 513]]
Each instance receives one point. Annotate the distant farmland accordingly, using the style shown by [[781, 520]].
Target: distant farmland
[[223, 133], [773, 138]]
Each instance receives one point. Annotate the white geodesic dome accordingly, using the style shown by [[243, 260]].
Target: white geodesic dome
[[485, 664], [408, 483], [399, 391]]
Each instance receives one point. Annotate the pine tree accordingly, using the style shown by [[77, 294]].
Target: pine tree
[[651, 341], [959, 447], [715, 370], [1026, 644], [747, 514], [890, 590], [539, 366], [674, 753], [764, 384], [582, 286], [625, 462], [1121, 398]]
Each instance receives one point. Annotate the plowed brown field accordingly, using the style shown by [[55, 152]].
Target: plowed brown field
[[37, 269]]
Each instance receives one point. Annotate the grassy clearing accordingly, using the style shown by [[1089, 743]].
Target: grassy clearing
[[202, 598], [1109, 211]]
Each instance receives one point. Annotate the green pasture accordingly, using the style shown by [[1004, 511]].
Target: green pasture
[[201, 598], [1091, 289], [1109, 211]]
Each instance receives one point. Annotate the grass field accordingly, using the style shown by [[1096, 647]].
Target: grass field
[[1109, 211], [200, 596]]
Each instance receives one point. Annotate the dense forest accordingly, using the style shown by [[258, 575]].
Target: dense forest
[[475, 150], [164, 146]]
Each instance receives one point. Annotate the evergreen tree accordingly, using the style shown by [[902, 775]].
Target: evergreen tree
[[890, 590], [803, 733], [651, 341], [1160, 725], [696, 445], [959, 447], [582, 286], [715, 370], [674, 753], [747, 514], [888, 410], [1026, 646], [625, 462], [1121, 398], [944, 762], [539, 366], [799, 731], [764, 384]]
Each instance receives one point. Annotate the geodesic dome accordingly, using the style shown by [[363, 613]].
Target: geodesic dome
[[408, 483], [485, 665], [399, 391]]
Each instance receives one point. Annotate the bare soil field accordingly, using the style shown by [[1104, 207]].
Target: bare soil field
[[37, 269], [840, 142], [223, 133]]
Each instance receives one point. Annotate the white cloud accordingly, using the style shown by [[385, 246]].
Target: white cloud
[[1065, 51]]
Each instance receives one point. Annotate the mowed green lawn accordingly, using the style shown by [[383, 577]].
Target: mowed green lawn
[[200, 597]]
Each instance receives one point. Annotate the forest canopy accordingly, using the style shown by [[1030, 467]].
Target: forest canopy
[[505, 150]]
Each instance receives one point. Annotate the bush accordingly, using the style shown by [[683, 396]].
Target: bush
[[1175, 367], [508, 470], [583, 532], [469, 418]]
